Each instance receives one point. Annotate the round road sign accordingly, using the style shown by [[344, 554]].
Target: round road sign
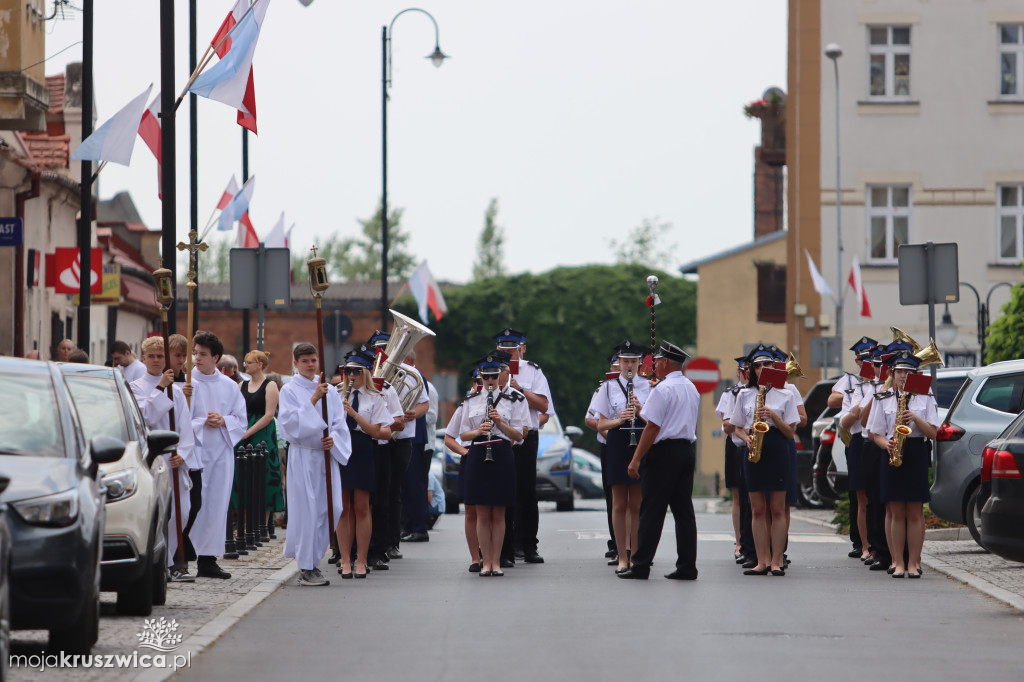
[[704, 374]]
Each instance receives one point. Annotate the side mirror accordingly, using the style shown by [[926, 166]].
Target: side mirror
[[104, 449], [160, 443], [573, 432]]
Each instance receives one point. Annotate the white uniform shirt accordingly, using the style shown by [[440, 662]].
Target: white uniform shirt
[[854, 391], [431, 417], [611, 398], [394, 406], [672, 405], [592, 414], [724, 411], [372, 406], [883, 414], [515, 413], [531, 378], [782, 402], [870, 389]]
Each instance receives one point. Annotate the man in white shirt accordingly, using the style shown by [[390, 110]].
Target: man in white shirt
[[125, 360], [666, 450]]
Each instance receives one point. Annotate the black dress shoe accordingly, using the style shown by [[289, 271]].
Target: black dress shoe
[[393, 553], [634, 573], [741, 559], [621, 569], [877, 565], [507, 563], [750, 563], [682, 575], [855, 553], [474, 567], [611, 554], [212, 570], [345, 576], [335, 557], [754, 571], [614, 561], [533, 558], [778, 571], [378, 564], [416, 537]]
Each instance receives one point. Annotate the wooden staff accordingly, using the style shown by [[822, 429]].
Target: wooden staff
[[165, 297], [194, 246], [652, 301], [317, 285]]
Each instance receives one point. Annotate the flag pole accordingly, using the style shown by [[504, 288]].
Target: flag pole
[[405, 285]]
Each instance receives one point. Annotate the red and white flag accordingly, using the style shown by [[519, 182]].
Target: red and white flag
[[149, 131], [426, 292], [247, 238], [229, 194], [115, 139], [288, 237], [222, 43], [858, 287]]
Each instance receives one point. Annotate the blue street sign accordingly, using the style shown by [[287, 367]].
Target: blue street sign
[[12, 232]]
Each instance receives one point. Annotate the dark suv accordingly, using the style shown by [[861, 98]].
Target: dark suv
[[55, 505]]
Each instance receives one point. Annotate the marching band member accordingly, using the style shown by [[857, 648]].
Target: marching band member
[[879, 557], [905, 487], [618, 403], [367, 417], [666, 452], [792, 481], [769, 474], [453, 442], [591, 421], [493, 420], [853, 390], [735, 454]]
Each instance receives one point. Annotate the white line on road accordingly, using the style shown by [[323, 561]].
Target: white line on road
[[586, 534]]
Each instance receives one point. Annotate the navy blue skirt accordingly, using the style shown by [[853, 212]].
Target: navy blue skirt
[[492, 484], [909, 481], [772, 471], [855, 461], [618, 455], [359, 473]]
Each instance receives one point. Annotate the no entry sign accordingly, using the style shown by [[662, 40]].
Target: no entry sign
[[704, 374]]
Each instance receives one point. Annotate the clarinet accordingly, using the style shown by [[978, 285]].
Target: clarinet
[[629, 404], [488, 455]]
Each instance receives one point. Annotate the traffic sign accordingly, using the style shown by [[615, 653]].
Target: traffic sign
[[704, 374], [12, 232]]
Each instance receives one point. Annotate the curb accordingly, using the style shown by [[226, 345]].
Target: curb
[[222, 622], [980, 584]]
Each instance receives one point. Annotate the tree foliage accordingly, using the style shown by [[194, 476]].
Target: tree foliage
[[573, 316], [645, 245], [1006, 335], [490, 249], [214, 263], [358, 258]]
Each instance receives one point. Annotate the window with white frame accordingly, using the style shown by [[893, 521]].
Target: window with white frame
[[1010, 211], [1011, 60], [888, 221], [889, 62]]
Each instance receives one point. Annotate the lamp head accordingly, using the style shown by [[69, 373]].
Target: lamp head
[[437, 57], [317, 273], [833, 51], [164, 287]]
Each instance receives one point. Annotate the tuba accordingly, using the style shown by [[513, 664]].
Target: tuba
[[758, 429], [388, 365], [929, 355]]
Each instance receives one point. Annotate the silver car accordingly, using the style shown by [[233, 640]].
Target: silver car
[[988, 400]]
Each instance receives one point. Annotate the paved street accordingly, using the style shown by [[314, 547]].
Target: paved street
[[429, 619]]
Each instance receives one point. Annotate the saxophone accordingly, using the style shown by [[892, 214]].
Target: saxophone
[[758, 429], [900, 432]]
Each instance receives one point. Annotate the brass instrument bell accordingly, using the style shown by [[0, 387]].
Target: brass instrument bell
[[317, 273], [164, 287], [929, 355], [793, 370], [898, 335]]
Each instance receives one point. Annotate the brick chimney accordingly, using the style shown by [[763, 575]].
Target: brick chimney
[[769, 158]]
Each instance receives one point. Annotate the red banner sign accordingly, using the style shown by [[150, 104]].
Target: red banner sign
[[67, 271]]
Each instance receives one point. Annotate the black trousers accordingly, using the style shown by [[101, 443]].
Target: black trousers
[[195, 498], [399, 467], [414, 492], [746, 516], [872, 457], [858, 542], [523, 520], [607, 496], [666, 482], [383, 455]]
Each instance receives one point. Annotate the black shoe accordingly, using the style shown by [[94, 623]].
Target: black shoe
[[393, 553], [754, 571], [611, 554], [211, 570], [877, 565], [378, 564], [682, 575], [898, 575], [634, 573], [416, 537], [334, 557], [345, 576], [914, 574], [855, 552], [619, 571], [750, 563], [533, 558], [614, 561], [741, 559], [507, 563], [474, 567], [778, 571]]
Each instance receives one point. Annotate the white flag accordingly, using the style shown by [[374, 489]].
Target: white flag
[[820, 285], [114, 140], [275, 239]]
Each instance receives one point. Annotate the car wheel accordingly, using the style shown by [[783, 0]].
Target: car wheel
[[160, 579], [810, 499], [566, 505], [972, 515], [83, 633]]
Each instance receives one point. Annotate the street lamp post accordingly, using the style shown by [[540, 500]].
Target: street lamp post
[[834, 52], [947, 330], [437, 57]]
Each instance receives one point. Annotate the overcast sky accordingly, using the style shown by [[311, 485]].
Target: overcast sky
[[581, 117]]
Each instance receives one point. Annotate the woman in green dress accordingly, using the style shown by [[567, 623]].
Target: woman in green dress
[[261, 396]]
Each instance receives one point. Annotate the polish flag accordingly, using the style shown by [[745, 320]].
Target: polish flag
[[238, 205], [426, 292], [858, 287], [288, 237], [149, 131], [247, 238], [229, 194]]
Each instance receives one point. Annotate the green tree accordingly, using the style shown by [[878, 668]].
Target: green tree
[[1006, 335], [490, 249], [645, 245], [214, 263], [358, 258], [573, 317]]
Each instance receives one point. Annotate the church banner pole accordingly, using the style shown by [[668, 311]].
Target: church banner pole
[[317, 285]]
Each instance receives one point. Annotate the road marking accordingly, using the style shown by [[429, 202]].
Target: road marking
[[585, 534]]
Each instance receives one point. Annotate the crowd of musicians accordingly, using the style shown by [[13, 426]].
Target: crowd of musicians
[[351, 452]]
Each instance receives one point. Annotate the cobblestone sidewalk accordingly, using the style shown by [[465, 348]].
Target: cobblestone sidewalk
[[198, 608]]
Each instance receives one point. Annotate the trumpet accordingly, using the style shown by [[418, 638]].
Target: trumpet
[[488, 455], [899, 432], [758, 429], [629, 404]]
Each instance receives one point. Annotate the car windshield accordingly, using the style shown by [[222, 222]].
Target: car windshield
[[959, 396], [29, 424], [552, 426], [99, 406]]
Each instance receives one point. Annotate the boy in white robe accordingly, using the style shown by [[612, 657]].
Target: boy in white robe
[[219, 421], [300, 422], [151, 394]]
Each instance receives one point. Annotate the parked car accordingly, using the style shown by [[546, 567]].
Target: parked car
[[554, 466], [987, 402], [815, 402], [5, 585], [1001, 495], [55, 505], [138, 487], [586, 475]]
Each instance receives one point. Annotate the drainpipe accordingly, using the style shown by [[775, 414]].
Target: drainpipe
[[19, 268]]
